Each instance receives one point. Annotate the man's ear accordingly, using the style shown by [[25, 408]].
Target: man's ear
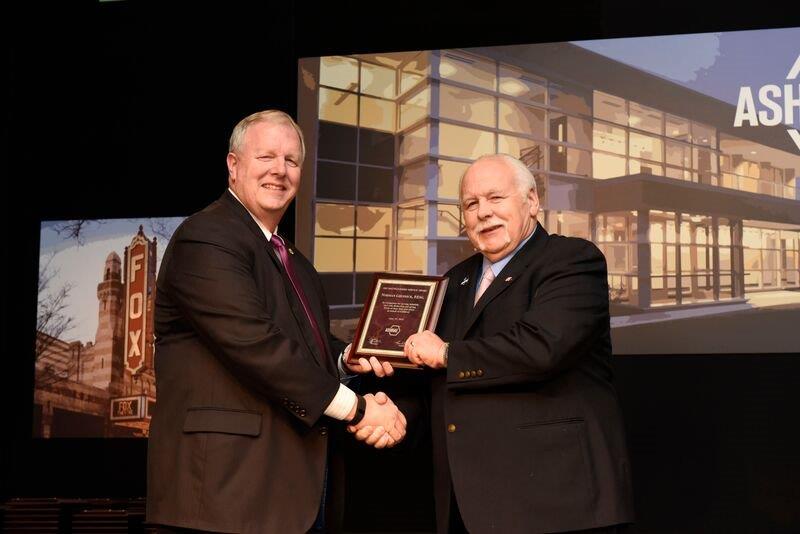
[[232, 162], [533, 200]]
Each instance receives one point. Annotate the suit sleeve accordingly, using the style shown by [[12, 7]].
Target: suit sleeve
[[337, 346], [211, 284], [568, 315]]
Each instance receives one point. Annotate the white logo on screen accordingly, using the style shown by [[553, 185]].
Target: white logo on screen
[[769, 97]]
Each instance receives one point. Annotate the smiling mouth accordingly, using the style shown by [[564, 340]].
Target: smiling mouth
[[273, 187], [491, 229]]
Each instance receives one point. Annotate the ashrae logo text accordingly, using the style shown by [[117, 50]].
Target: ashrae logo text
[[769, 97]]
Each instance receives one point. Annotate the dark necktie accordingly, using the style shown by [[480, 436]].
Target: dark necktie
[[280, 248]]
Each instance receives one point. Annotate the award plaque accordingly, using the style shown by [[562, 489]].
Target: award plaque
[[398, 306]]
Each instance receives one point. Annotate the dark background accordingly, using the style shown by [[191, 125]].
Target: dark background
[[123, 109]]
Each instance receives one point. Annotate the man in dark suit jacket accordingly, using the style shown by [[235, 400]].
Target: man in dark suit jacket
[[527, 430], [248, 388]]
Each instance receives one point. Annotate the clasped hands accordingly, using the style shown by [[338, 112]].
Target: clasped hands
[[384, 425]]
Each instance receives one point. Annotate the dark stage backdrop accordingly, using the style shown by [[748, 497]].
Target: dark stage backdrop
[[122, 110]]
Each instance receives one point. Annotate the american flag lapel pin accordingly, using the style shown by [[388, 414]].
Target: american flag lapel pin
[[465, 280]]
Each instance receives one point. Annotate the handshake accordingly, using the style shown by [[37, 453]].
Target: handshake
[[384, 425]]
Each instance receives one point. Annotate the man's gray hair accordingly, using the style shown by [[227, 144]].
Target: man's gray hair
[[522, 175], [271, 116]]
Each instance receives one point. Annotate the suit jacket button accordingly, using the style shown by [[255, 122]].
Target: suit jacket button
[[480, 372], [451, 427], [472, 374], [302, 413], [461, 374], [323, 430]]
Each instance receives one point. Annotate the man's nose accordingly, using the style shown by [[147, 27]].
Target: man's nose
[[278, 166], [484, 209]]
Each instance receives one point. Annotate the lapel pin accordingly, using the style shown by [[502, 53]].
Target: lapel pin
[[465, 280], [509, 279], [291, 251]]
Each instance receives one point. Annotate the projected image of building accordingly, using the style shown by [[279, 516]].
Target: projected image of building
[[97, 382], [690, 212]]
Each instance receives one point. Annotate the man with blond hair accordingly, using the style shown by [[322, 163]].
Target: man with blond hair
[[250, 403]]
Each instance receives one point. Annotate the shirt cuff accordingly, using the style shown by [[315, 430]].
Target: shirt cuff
[[342, 404], [344, 372]]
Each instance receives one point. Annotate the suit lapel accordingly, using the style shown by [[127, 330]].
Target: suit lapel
[[297, 306], [307, 286], [508, 276], [229, 200], [294, 301], [468, 281]]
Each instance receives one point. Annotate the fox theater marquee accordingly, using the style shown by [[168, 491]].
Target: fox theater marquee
[[140, 266]]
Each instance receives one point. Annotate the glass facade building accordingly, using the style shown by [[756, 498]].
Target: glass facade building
[[686, 211]]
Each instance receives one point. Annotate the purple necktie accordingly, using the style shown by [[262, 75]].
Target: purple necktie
[[280, 248]]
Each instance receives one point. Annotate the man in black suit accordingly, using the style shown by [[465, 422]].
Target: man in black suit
[[527, 430], [243, 435]]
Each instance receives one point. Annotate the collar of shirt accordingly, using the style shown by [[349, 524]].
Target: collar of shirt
[[497, 266], [267, 233]]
